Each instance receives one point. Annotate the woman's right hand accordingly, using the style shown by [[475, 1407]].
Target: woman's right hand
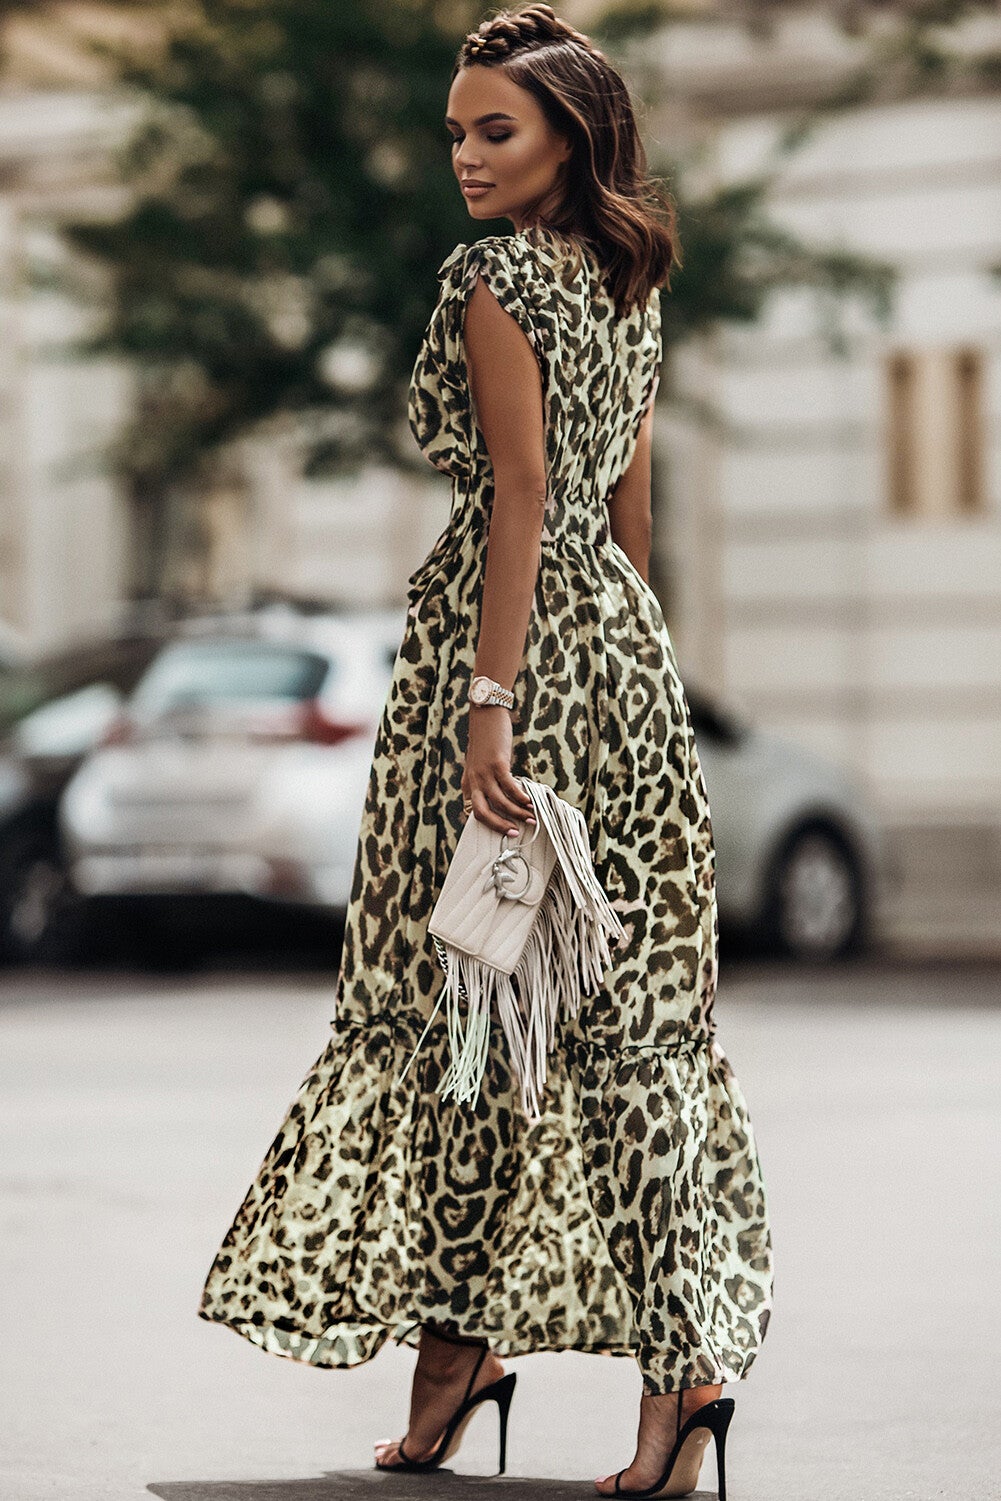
[[498, 800]]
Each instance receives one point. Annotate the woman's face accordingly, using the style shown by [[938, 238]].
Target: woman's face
[[502, 139]]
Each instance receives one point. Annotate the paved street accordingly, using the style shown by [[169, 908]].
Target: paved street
[[135, 1109]]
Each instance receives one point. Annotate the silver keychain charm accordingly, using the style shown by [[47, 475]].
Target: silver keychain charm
[[502, 874]]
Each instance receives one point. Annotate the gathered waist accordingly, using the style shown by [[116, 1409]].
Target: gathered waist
[[591, 532], [472, 522]]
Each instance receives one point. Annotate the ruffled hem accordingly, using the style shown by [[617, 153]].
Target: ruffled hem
[[330, 1254], [346, 1346]]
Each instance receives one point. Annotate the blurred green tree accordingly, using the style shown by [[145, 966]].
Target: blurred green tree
[[291, 200], [291, 197]]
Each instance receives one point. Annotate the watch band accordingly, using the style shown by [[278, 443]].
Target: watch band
[[483, 691]]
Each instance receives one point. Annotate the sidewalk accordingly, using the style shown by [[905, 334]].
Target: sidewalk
[[135, 1110]]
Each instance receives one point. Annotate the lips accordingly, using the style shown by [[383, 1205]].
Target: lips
[[471, 186]]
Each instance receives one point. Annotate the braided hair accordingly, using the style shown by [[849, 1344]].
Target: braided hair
[[610, 201], [512, 31]]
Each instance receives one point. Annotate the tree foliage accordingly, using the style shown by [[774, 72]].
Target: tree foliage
[[291, 197]]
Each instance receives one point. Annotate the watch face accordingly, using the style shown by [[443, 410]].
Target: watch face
[[478, 692]]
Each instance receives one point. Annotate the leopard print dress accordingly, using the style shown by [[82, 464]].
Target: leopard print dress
[[632, 1218]]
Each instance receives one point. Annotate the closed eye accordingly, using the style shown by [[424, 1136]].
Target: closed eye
[[505, 137]]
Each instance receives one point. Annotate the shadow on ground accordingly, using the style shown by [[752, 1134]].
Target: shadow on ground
[[343, 1485]]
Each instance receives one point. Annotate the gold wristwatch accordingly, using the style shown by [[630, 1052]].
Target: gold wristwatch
[[483, 690]]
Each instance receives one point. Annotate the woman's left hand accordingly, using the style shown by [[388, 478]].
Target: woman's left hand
[[498, 800]]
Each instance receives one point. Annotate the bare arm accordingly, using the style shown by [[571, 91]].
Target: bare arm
[[629, 512], [506, 386]]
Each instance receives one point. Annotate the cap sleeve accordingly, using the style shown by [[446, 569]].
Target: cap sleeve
[[441, 408], [507, 266]]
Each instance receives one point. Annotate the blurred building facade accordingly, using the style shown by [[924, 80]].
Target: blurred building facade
[[67, 538], [837, 554], [62, 544]]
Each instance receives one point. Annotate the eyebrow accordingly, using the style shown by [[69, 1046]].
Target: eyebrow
[[483, 119]]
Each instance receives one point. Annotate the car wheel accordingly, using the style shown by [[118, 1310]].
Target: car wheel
[[815, 901], [41, 915]]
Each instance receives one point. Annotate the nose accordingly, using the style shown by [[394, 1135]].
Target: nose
[[466, 161]]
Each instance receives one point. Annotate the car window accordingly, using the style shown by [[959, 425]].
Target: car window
[[209, 671], [29, 688], [117, 663]]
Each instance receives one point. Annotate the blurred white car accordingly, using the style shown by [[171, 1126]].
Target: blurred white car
[[239, 764], [800, 857]]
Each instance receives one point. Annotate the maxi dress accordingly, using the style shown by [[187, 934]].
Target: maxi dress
[[631, 1219]]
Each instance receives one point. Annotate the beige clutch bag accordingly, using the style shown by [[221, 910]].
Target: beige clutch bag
[[525, 925]]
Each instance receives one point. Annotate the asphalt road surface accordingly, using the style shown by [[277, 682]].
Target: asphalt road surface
[[135, 1110]]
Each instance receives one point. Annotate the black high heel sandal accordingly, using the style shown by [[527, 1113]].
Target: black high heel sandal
[[500, 1391], [689, 1445]]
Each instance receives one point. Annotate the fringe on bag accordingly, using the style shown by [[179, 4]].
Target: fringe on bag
[[564, 959]]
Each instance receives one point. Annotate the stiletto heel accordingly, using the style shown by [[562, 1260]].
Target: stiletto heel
[[500, 1391], [503, 1398], [719, 1434], [686, 1453]]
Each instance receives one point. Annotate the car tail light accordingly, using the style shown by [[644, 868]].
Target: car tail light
[[320, 729], [306, 721]]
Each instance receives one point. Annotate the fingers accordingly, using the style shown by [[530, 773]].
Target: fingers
[[510, 801], [484, 812], [502, 811], [516, 791]]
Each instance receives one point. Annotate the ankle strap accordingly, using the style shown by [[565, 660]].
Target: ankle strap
[[475, 1371]]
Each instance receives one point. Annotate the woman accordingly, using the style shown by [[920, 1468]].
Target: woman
[[631, 1218]]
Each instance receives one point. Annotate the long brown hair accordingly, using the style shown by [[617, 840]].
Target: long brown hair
[[611, 203]]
